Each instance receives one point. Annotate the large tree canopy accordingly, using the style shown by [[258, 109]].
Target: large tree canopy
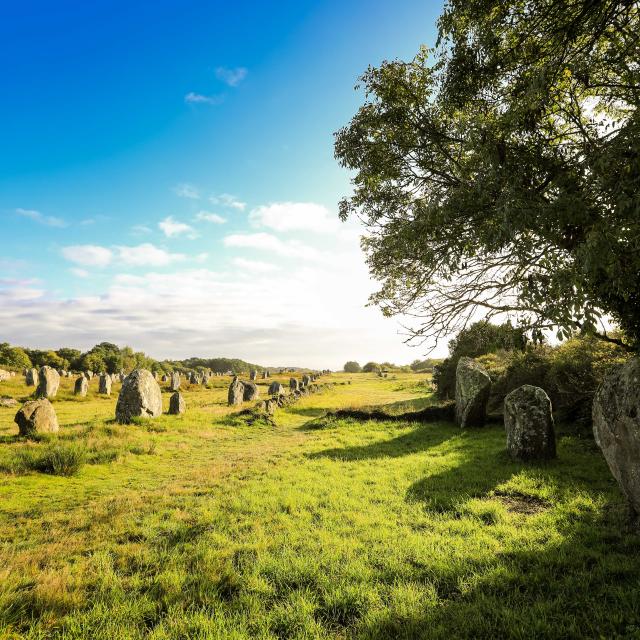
[[500, 173]]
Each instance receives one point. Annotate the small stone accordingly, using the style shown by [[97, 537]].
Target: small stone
[[177, 405]]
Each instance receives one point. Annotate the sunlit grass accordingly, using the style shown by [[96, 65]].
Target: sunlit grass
[[195, 527]]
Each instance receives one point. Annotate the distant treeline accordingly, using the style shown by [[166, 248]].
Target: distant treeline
[[418, 366], [110, 358]]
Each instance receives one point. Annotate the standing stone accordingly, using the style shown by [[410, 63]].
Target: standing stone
[[616, 427], [276, 389], [177, 405], [175, 381], [49, 382], [265, 375], [529, 424], [4, 375], [37, 416], [250, 391], [89, 375], [293, 384], [253, 375], [140, 396], [306, 379], [81, 387], [473, 385], [104, 386], [236, 391], [31, 378]]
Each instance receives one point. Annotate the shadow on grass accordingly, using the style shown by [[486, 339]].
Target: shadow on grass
[[419, 439]]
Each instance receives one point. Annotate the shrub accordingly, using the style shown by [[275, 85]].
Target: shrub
[[56, 459], [477, 340], [352, 367]]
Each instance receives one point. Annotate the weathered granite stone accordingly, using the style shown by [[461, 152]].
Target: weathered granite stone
[[473, 385], [81, 387], [616, 427], [529, 424], [37, 416], [104, 385], [48, 382], [276, 389], [251, 391], [177, 405], [236, 392], [140, 396]]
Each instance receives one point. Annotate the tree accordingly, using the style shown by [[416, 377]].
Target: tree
[[499, 174], [352, 367], [14, 357], [370, 367]]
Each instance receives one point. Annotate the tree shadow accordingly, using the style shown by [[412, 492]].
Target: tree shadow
[[419, 439]]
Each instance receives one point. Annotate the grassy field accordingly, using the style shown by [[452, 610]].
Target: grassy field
[[200, 526]]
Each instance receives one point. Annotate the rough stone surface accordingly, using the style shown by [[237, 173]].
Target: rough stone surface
[[236, 392], [529, 424], [81, 386], [293, 384], [104, 386], [306, 379], [89, 374], [31, 378], [254, 375], [616, 427], [48, 383], [8, 402], [140, 396], [276, 389], [473, 385], [4, 375], [250, 391], [175, 381], [37, 416], [177, 405]]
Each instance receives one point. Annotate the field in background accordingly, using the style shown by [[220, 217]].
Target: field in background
[[200, 526]]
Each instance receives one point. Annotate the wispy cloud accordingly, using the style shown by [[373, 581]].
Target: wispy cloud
[[295, 216], [255, 266], [186, 190], [88, 255], [231, 77], [272, 244], [205, 216], [80, 273], [172, 228], [198, 98], [142, 255], [141, 230], [49, 221], [227, 200]]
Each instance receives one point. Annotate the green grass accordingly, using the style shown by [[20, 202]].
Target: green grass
[[199, 526]]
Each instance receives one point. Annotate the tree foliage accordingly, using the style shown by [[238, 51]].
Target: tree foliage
[[352, 367], [499, 173]]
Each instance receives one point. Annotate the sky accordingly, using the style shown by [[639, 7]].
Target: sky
[[167, 178]]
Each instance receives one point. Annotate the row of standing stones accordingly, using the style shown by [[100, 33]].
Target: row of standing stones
[[140, 396], [529, 426]]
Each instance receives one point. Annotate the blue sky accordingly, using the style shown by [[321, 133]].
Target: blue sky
[[167, 177]]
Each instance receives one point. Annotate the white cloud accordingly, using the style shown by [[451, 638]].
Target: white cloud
[[186, 190], [142, 255], [255, 266], [147, 255], [198, 98], [141, 230], [232, 77], [48, 221], [88, 255], [80, 273], [227, 200], [295, 216], [273, 244], [206, 216], [172, 228]]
